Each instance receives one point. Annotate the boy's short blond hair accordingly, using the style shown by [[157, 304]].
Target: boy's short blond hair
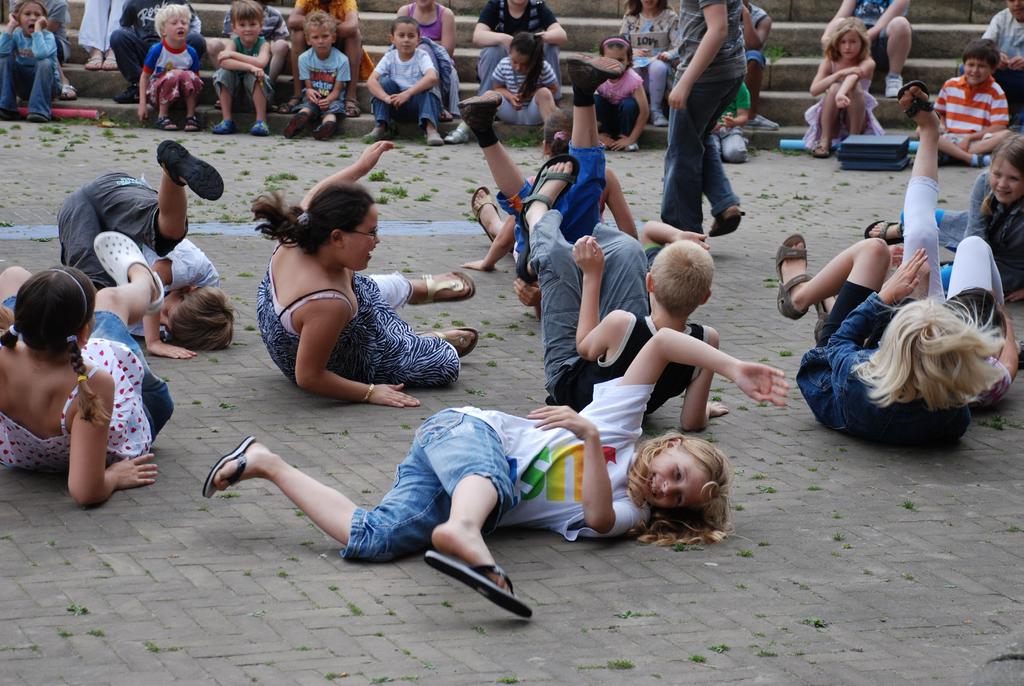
[[321, 20], [246, 10], [682, 274], [167, 12], [203, 320]]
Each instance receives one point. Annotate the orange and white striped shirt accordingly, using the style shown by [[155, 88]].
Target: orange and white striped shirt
[[967, 109]]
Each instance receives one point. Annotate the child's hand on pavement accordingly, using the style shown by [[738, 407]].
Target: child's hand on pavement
[[562, 417], [588, 255], [161, 349], [134, 472], [391, 395]]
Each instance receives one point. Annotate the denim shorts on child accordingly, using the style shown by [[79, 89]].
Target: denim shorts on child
[[580, 205], [448, 447]]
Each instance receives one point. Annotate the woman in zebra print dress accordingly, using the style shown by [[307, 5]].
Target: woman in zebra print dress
[[326, 326]]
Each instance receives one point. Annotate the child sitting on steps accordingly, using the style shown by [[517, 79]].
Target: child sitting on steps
[[243, 69]]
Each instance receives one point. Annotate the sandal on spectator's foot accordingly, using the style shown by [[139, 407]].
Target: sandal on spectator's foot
[[325, 130], [238, 456], [165, 124], [181, 165], [110, 63], [352, 108], [477, 579], [461, 287], [94, 63], [479, 111], [445, 116], [192, 124], [482, 198], [463, 339], [890, 232], [68, 92], [289, 107], [789, 251], [727, 221], [819, 307], [117, 253], [543, 174], [298, 122], [821, 151], [918, 105]]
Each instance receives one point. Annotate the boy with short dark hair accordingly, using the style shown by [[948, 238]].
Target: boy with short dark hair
[[324, 72], [1007, 30], [243, 68], [403, 85], [973, 108]]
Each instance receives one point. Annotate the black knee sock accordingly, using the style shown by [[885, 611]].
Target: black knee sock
[[581, 99], [485, 137]]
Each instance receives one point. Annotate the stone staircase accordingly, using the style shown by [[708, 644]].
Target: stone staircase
[[941, 30]]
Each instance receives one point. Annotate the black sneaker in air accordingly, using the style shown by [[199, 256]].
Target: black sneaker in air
[[181, 165]]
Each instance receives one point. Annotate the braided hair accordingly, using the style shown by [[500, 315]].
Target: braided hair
[[51, 308]]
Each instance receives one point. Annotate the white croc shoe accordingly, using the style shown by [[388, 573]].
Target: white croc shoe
[[116, 253]]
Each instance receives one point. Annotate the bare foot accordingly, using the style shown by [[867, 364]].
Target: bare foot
[[259, 463], [464, 541], [479, 265], [717, 409]]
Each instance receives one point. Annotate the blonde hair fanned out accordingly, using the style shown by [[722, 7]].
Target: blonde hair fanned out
[[707, 523], [933, 352]]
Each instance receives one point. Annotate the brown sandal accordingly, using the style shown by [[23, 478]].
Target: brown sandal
[[482, 198], [789, 251], [821, 151]]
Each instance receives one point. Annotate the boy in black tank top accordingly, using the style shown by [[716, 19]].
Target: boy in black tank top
[[611, 329]]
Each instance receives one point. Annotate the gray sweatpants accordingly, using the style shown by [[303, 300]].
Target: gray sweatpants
[[112, 202], [623, 286]]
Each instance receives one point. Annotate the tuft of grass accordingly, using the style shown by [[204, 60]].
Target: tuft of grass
[[816, 622], [814, 487], [699, 659], [98, 633], [379, 175], [620, 664], [745, 553], [718, 648], [838, 536], [77, 610], [909, 505]]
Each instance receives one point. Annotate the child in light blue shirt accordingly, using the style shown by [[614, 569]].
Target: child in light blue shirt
[[28, 63]]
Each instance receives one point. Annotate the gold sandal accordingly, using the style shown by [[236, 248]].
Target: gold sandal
[[462, 287]]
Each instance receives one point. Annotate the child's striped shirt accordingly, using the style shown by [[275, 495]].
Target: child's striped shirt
[[967, 109]]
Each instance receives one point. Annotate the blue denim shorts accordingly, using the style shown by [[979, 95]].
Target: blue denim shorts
[[448, 447], [580, 205]]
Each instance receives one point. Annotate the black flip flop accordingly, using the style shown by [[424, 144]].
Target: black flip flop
[[918, 105], [543, 174], [475, 578], [884, 233], [204, 180], [238, 455]]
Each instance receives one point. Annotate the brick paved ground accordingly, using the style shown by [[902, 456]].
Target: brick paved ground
[[853, 563]]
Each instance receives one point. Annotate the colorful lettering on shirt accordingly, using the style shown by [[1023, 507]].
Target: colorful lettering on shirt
[[548, 471]]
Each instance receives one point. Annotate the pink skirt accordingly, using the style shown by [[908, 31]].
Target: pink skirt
[[171, 85]]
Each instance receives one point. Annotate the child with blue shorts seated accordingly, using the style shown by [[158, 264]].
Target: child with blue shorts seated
[[404, 85]]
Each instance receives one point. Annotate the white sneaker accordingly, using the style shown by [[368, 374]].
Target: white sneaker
[[893, 83], [459, 136], [659, 119], [632, 147], [762, 122]]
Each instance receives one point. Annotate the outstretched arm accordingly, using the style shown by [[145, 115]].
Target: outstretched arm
[[759, 381], [352, 173]]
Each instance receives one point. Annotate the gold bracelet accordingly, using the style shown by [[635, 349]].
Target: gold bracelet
[[366, 397]]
